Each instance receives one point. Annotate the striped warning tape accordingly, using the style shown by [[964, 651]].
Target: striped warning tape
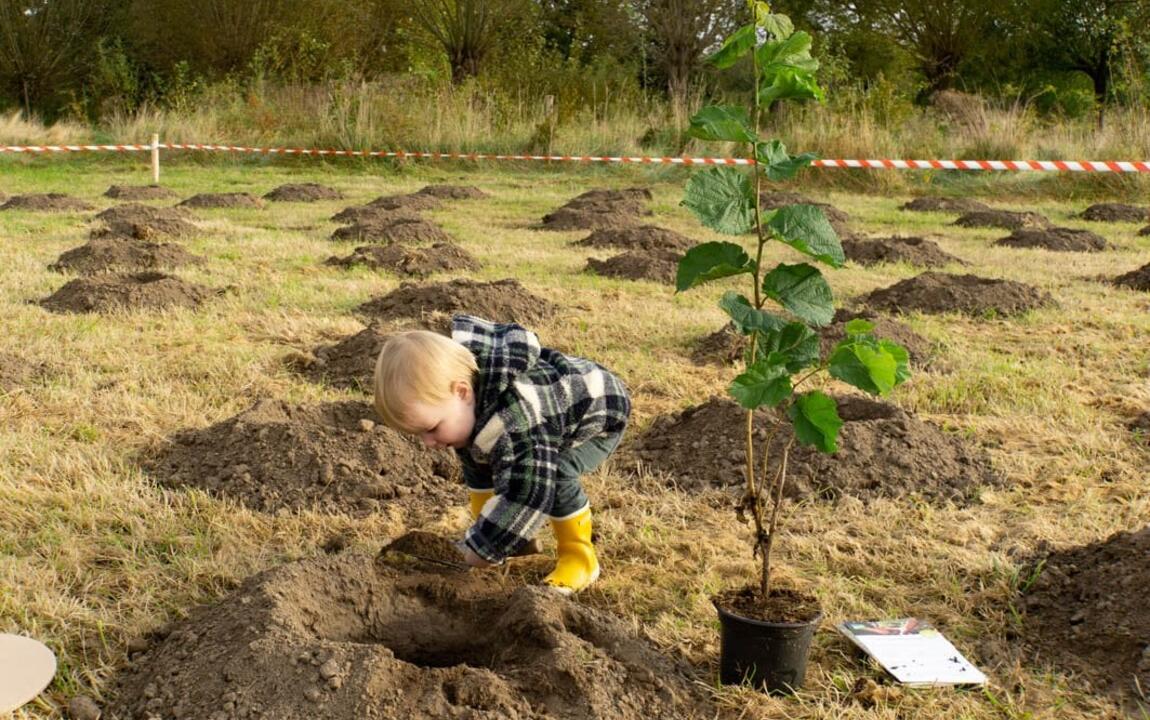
[[1115, 166]]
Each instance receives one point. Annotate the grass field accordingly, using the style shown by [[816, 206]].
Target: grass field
[[92, 554]]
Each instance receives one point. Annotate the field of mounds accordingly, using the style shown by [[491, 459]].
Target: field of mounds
[[910, 250], [392, 230], [408, 261], [112, 292], [303, 192], [348, 363], [600, 209], [434, 303], [643, 238], [935, 292], [1058, 239], [144, 222], [655, 265]]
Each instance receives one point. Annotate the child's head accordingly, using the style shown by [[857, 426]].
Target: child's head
[[424, 385]]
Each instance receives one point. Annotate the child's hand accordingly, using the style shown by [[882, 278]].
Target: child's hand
[[471, 558]]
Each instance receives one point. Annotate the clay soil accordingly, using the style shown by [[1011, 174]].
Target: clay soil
[[434, 304], [1135, 279], [108, 254], [396, 230], [911, 250], [333, 457], [945, 204], [1003, 219], [935, 293], [1086, 613], [412, 262], [637, 237], [1116, 212], [656, 265], [346, 638], [223, 200], [884, 451], [132, 291], [350, 363], [600, 208], [139, 192], [1058, 239], [50, 202], [303, 192], [454, 192]]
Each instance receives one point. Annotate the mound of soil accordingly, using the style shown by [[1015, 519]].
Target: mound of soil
[[776, 200], [223, 200], [599, 208], [1086, 613], [1059, 239], [658, 265], [500, 301], [1116, 212], [348, 638], [935, 292], [333, 457], [139, 192], [133, 291], [1004, 219], [454, 192], [143, 222], [911, 250], [884, 451], [350, 363], [637, 237], [369, 214], [1144, 231], [50, 202], [945, 204], [1135, 279], [723, 347], [395, 230], [303, 192], [107, 254], [413, 262], [138, 213], [412, 201], [602, 195]]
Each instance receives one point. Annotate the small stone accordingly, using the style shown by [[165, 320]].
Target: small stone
[[335, 682], [313, 694], [366, 425], [137, 644], [329, 669], [83, 707], [1077, 617]]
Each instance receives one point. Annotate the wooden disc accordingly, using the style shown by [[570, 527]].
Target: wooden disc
[[26, 668]]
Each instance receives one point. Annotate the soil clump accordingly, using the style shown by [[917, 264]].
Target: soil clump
[[345, 637], [138, 212], [110, 292], [1144, 231], [600, 208], [911, 250], [414, 202], [394, 230], [223, 200], [944, 204], [1059, 239], [303, 192], [333, 457], [139, 192], [935, 293], [1116, 212], [776, 200], [46, 202], [1135, 279], [143, 222], [115, 253], [350, 363], [1002, 219], [647, 238], [434, 304], [656, 265], [1086, 613], [412, 262], [366, 214], [884, 451], [454, 192]]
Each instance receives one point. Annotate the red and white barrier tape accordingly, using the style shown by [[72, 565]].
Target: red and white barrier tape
[[1116, 166]]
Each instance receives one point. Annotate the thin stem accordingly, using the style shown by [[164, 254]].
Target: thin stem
[[780, 483]]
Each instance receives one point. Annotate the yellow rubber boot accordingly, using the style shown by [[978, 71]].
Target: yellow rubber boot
[[576, 567], [478, 499]]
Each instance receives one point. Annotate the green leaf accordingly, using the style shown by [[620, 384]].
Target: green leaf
[[764, 383], [793, 52], [779, 26], [710, 261], [776, 164], [901, 358], [746, 317], [858, 326], [795, 344], [871, 369], [723, 200], [816, 420], [789, 83], [803, 290], [806, 229], [724, 123], [734, 47]]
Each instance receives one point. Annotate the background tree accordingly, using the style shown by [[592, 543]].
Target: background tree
[[465, 29], [680, 33]]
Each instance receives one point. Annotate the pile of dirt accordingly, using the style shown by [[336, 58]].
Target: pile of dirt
[[49, 202], [647, 238], [133, 291], [333, 457], [369, 214], [1086, 613], [1144, 231], [394, 230], [884, 451], [223, 200], [350, 363], [143, 222], [348, 638], [910, 250], [600, 208], [776, 200], [945, 204], [935, 292], [723, 347], [658, 265], [412, 262], [454, 192], [303, 192], [108, 254], [500, 301], [1003, 219], [1116, 212], [412, 201], [139, 192], [138, 212], [1059, 239], [1135, 279]]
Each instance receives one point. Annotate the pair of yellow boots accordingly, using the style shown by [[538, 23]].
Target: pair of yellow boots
[[576, 566]]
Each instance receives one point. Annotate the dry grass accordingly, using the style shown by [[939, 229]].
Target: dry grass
[[92, 554]]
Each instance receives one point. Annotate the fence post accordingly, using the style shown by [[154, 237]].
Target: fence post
[[155, 158]]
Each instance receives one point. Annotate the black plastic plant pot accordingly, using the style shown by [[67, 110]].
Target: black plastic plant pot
[[766, 655]]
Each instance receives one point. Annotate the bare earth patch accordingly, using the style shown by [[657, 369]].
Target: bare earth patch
[[655, 265], [636, 237], [366, 214], [1135, 279], [333, 457], [944, 204], [884, 451], [1116, 212], [1058, 239], [108, 254], [454, 192], [350, 363], [134, 291], [139, 192], [412, 201], [1003, 219], [935, 292], [303, 192], [600, 208], [144, 222], [501, 301], [349, 638], [395, 230], [911, 250], [49, 202], [138, 212], [223, 200], [412, 262]]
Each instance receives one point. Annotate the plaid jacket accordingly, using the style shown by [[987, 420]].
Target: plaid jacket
[[531, 404]]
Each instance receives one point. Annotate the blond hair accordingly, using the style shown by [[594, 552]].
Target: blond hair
[[418, 366]]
